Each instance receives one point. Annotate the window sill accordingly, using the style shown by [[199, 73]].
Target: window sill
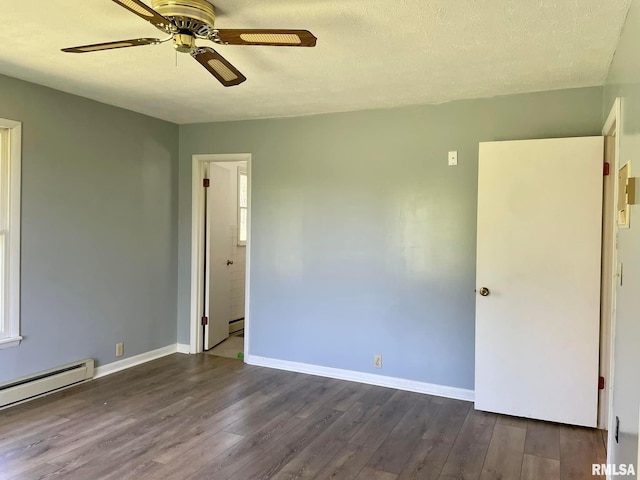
[[10, 342]]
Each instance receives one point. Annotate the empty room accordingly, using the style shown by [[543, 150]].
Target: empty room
[[297, 239]]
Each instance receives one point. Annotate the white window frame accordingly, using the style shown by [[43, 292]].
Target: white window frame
[[242, 171], [10, 173]]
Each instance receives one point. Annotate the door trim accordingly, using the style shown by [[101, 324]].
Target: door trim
[[613, 125], [197, 247]]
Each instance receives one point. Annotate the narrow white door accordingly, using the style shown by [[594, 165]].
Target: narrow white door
[[218, 301], [538, 279]]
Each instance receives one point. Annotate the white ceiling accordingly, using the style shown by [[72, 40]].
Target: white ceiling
[[370, 53]]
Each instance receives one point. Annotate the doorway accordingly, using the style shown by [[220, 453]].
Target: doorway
[[220, 257], [225, 217]]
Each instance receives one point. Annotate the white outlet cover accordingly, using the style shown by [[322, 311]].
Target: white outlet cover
[[453, 158], [377, 361]]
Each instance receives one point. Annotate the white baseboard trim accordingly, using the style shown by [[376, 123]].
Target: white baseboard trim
[[360, 377], [184, 348], [114, 367]]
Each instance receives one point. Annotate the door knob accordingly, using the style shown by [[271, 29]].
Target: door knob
[[484, 291], [229, 262]]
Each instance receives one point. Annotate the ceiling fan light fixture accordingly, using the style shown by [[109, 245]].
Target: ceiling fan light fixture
[[184, 42]]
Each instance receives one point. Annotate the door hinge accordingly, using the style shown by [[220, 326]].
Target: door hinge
[[607, 169], [205, 183], [600, 383], [205, 320]]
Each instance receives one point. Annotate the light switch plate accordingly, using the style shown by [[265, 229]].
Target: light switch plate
[[453, 158]]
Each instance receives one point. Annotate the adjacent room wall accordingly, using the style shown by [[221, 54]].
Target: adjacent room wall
[[99, 221], [624, 82], [363, 238]]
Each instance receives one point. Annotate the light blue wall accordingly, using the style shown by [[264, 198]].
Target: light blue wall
[[363, 237], [99, 223], [624, 82]]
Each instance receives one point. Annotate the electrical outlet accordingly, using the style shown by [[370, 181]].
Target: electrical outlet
[[377, 361], [119, 349], [453, 159]]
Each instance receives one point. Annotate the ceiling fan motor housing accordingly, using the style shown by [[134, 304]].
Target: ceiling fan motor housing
[[191, 17]]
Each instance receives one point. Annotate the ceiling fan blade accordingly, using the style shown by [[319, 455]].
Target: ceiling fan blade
[[147, 13], [218, 66], [274, 38], [137, 42]]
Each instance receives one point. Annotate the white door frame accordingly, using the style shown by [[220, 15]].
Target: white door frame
[[197, 246], [613, 125]]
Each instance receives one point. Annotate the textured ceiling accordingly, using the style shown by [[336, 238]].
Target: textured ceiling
[[370, 54]]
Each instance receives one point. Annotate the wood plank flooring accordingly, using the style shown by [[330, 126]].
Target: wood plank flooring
[[204, 417]]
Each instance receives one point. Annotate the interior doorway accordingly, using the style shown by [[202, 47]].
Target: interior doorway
[[221, 214], [225, 217]]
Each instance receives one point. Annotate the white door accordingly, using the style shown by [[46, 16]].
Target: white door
[[218, 295], [538, 256]]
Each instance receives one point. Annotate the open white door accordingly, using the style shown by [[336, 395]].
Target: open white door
[[219, 235], [538, 279]]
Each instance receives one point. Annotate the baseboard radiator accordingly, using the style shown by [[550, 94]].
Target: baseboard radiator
[[27, 388], [236, 326]]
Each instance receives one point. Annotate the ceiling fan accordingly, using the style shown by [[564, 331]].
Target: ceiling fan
[[186, 20]]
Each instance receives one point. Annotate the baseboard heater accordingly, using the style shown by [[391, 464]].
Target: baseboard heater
[[27, 388], [236, 326]]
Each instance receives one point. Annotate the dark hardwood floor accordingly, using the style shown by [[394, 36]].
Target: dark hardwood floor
[[204, 417]]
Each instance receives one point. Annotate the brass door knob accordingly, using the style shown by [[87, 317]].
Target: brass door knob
[[484, 291]]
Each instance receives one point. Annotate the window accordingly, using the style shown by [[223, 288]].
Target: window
[[243, 205], [10, 143]]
